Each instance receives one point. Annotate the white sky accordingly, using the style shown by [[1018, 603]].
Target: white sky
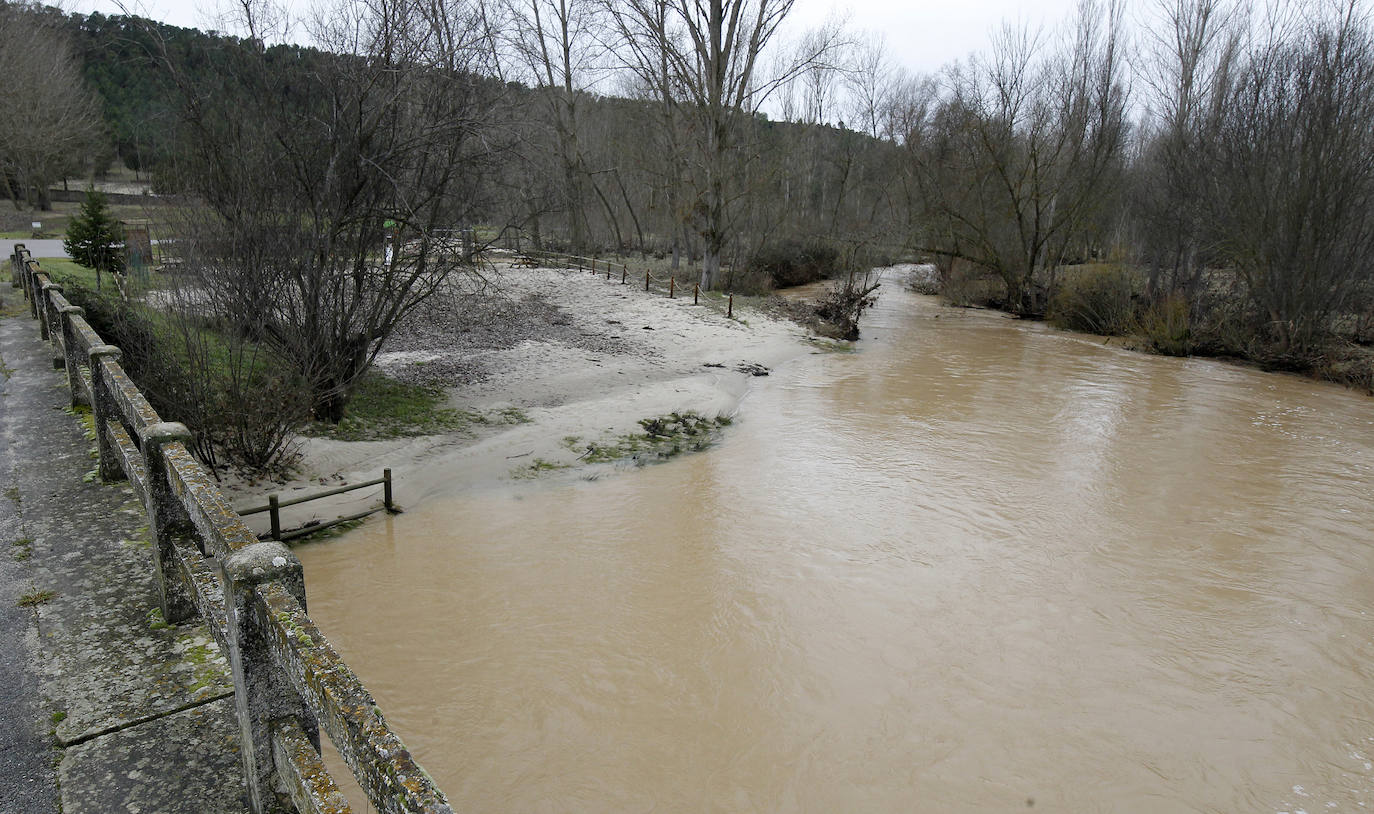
[[922, 35]]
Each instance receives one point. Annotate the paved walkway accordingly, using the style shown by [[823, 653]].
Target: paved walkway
[[102, 707], [37, 248]]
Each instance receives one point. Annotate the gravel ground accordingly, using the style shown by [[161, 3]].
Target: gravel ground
[[445, 340]]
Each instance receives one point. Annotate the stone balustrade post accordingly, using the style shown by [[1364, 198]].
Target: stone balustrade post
[[31, 287], [44, 306], [262, 694], [169, 519], [71, 346], [26, 283], [104, 407]]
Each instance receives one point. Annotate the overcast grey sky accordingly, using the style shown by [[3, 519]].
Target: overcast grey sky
[[920, 34]]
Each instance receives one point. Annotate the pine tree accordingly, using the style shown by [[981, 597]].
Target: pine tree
[[94, 238]]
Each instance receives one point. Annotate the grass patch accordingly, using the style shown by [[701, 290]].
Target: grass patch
[[382, 407], [23, 548], [33, 599], [155, 620], [67, 272], [64, 271], [538, 467], [58, 717]]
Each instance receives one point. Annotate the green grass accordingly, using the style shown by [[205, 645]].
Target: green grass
[[33, 599], [23, 548], [63, 271], [382, 407], [538, 467]]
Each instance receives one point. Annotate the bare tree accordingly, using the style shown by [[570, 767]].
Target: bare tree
[[710, 57], [1292, 205], [1021, 153], [52, 123], [1191, 53], [329, 179], [559, 46], [870, 80]]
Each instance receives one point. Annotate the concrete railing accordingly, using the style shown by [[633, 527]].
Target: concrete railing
[[289, 682]]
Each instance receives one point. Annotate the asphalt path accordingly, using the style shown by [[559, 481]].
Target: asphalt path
[[37, 248], [27, 756]]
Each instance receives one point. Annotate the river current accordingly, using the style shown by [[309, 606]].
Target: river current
[[976, 565]]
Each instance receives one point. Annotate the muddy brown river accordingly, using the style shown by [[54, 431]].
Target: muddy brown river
[[978, 565]]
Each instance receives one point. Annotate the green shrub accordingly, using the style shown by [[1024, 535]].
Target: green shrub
[[1097, 299]]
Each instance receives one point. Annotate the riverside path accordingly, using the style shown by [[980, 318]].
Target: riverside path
[[102, 706]]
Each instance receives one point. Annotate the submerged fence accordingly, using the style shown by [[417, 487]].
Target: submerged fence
[[289, 682], [275, 504]]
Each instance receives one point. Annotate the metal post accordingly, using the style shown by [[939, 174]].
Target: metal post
[[386, 489], [274, 510]]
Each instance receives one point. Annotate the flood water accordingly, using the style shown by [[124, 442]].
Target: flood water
[[978, 565]]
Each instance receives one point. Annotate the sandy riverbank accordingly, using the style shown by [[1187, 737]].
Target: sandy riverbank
[[575, 354]]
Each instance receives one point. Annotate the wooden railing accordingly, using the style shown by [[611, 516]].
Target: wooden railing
[[275, 504], [289, 682]]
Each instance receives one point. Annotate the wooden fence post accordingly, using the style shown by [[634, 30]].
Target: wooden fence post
[[730, 309], [274, 512], [624, 270], [696, 293], [386, 489], [672, 284], [646, 280]]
